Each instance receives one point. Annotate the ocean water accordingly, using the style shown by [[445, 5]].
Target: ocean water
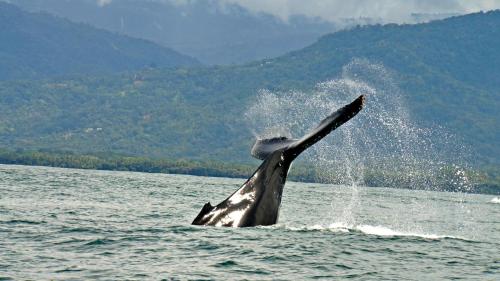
[[66, 224]]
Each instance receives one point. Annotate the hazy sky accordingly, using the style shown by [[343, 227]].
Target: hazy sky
[[387, 10]]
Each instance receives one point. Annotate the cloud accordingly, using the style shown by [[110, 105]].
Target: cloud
[[103, 2], [386, 10], [398, 11]]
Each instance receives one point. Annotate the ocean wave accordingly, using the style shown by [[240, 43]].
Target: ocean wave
[[22, 221], [336, 227], [340, 227], [384, 231], [495, 200]]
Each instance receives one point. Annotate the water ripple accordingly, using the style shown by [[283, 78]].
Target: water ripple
[[96, 225]]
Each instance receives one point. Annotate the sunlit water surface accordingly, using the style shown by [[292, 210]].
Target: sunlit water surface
[[65, 224]]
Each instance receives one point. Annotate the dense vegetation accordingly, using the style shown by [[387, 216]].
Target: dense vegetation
[[446, 69], [36, 45], [123, 163], [485, 182]]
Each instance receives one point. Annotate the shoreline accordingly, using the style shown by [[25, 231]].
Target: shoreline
[[485, 183]]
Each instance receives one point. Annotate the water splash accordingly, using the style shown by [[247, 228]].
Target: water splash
[[369, 230], [383, 146]]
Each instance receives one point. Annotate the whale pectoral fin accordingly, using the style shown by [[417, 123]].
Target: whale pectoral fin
[[207, 208], [330, 123], [264, 147]]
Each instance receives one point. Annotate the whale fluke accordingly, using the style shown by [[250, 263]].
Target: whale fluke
[[264, 147], [258, 200], [330, 123]]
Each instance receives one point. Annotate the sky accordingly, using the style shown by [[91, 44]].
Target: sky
[[333, 10]]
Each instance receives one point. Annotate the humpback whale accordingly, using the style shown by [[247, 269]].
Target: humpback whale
[[258, 200]]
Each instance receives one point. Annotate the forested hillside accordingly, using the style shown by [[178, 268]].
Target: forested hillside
[[36, 45], [215, 32], [447, 70]]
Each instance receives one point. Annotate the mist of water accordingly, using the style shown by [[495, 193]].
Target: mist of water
[[382, 146]]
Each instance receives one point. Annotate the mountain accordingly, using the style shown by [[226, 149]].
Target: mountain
[[37, 45], [212, 31], [447, 71]]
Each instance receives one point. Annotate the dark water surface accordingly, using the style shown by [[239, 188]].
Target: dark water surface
[[65, 224]]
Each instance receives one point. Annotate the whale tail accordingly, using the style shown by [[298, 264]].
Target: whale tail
[[293, 147]]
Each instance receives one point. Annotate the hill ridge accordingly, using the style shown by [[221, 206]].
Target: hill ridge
[[39, 45]]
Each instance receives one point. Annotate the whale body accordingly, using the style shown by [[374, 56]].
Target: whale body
[[258, 200]]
